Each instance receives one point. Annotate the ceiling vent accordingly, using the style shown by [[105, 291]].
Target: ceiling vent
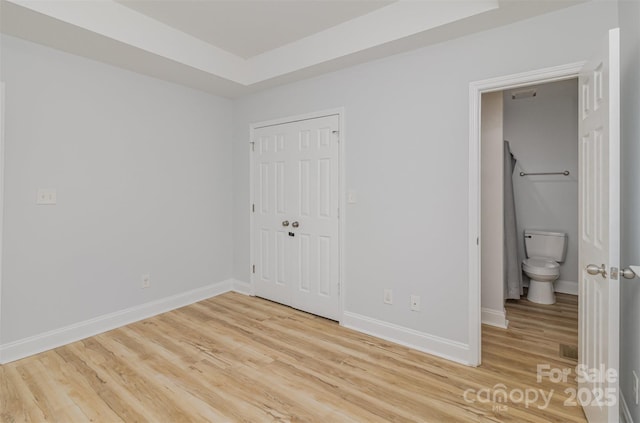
[[527, 93]]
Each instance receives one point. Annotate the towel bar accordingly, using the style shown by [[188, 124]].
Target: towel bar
[[565, 173]]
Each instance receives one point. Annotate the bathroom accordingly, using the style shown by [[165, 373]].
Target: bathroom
[[540, 124]]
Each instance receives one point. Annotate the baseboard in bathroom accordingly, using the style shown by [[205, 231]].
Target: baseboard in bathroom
[[495, 318], [566, 287]]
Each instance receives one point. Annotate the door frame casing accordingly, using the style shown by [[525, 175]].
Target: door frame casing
[[476, 89], [2, 125], [340, 112]]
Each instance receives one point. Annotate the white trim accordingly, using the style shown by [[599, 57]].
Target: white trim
[[421, 341], [474, 224], [614, 234], [566, 287], [77, 331], [297, 118], [495, 318], [340, 112], [252, 258], [476, 89], [242, 287], [625, 413], [342, 204], [2, 113]]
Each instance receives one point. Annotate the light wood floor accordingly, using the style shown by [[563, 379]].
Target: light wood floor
[[241, 359]]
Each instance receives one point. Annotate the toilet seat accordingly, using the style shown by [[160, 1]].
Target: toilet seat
[[541, 266]]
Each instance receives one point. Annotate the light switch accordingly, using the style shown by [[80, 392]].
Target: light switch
[[351, 197], [46, 196]]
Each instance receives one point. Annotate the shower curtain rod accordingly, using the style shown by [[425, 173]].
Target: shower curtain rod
[[565, 173]]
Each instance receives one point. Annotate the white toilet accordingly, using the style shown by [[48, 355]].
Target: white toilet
[[544, 251]]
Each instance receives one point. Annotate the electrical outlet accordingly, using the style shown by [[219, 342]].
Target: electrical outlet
[[47, 197], [146, 281], [388, 296], [635, 386], [415, 303]]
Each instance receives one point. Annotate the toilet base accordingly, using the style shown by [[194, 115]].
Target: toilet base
[[541, 292]]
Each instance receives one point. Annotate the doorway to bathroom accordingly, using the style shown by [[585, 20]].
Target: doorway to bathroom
[[598, 216], [479, 248], [529, 186], [529, 201], [529, 194]]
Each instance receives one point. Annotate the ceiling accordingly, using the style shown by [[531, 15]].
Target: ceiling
[[234, 47], [248, 28]]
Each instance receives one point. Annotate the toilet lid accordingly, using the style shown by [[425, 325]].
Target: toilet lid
[[541, 266]]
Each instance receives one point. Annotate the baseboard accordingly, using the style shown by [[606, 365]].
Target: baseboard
[[495, 318], [566, 287], [625, 414], [242, 287], [441, 347], [77, 331]]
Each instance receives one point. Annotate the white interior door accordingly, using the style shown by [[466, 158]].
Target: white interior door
[[599, 202], [296, 217], [272, 210]]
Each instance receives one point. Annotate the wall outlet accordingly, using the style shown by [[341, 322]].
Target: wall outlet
[[146, 281], [635, 386], [388, 296], [415, 303], [47, 197]]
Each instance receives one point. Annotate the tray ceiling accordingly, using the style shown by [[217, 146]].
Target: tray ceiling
[[230, 48]]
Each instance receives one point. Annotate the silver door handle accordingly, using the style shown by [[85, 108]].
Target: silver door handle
[[295, 224], [594, 269], [628, 273], [285, 223]]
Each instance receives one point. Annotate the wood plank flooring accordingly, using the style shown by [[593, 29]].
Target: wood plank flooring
[[234, 358]]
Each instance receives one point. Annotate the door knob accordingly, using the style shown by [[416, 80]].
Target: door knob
[[628, 273], [295, 224], [285, 223], [594, 269]]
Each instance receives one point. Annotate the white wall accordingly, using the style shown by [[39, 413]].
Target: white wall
[[492, 208], [142, 171], [543, 134], [630, 190], [407, 158]]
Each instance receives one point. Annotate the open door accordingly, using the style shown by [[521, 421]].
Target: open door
[[599, 228]]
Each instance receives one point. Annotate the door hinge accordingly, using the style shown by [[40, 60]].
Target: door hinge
[[338, 212], [337, 134], [253, 268], [253, 145], [253, 208], [477, 240]]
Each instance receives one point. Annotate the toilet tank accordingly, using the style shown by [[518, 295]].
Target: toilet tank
[[551, 245]]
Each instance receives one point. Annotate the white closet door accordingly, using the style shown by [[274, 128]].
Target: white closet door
[[273, 205], [296, 221]]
